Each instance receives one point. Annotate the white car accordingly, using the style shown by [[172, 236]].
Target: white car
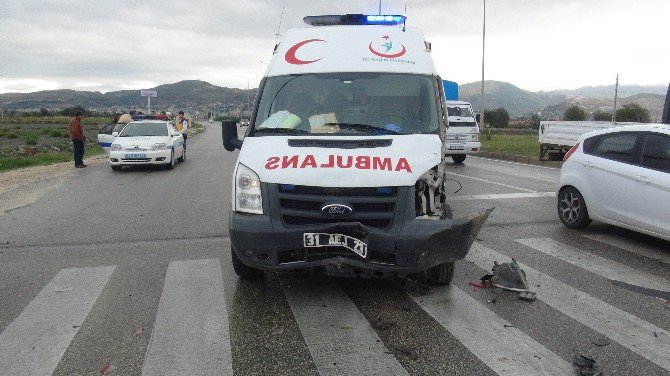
[[619, 176], [144, 142]]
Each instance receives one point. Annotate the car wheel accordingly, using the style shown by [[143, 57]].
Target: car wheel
[[458, 158], [244, 271], [172, 161], [183, 155], [116, 168], [441, 274], [572, 208]]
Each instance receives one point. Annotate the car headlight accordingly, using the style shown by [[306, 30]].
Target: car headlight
[[116, 147], [160, 146], [247, 194]]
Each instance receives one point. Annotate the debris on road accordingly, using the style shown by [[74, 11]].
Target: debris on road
[[382, 324], [480, 285], [63, 288], [603, 341], [138, 330], [527, 295], [406, 350], [585, 366], [107, 369], [509, 276]]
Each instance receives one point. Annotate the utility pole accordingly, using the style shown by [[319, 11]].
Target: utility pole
[[481, 105], [616, 94]]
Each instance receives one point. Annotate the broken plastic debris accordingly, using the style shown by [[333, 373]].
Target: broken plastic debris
[[63, 288], [585, 366], [410, 352], [138, 330], [527, 295], [509, 276], [107, 369], [382, 324], [481, 285]]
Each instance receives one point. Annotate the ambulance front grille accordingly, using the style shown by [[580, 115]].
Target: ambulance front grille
[[301, 205]]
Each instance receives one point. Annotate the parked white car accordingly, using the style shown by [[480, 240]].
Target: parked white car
[[619, 176], [147, 142]]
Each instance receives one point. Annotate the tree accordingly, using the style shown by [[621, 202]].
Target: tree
[[600, 115], [44, 112], [574, 113], [70, 111], [535, 121], [498, 118], [633, 112]]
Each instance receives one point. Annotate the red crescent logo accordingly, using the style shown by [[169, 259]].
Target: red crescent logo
[[390, 56], [290, 54]]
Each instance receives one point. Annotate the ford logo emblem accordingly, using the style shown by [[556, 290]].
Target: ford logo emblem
[[336, 210]]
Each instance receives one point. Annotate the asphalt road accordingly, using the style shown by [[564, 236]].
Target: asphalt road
[[130, 273]]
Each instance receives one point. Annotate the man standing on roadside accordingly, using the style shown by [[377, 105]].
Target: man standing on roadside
[[77, 136], [182, 126]]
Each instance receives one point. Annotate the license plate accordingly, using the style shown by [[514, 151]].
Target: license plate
[[136, 156], [313, 240], [456, 147]]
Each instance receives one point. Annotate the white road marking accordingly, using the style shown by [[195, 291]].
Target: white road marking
[[338, 336], [501, 196], [491, 182], [631, 246], [601, 266], [34, 343], [505, 349], [190, 335], [630, 331], [516, 163]]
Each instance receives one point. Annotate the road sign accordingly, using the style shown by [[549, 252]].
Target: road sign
[[149, 93]]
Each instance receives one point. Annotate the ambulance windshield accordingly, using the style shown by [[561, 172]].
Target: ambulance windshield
[[347, 103]]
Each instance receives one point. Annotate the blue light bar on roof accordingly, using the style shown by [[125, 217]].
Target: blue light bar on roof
[[355, 19]]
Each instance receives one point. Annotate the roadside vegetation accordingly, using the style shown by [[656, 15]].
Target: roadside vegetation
[[521, 142]]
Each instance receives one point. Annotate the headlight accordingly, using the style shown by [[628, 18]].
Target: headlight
[[116, 147], [247, 194], [160, 146], [475, 137]]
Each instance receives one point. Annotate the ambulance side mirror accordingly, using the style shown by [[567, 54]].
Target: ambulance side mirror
[[229, 135]]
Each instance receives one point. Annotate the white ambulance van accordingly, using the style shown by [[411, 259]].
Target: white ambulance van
[[463, 133], [342, 167]]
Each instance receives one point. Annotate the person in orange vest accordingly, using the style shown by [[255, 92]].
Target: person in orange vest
[[182, 125]]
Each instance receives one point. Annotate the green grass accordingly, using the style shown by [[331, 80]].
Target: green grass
[[526, 145], [50, 120], [44, 159], [30, 138]]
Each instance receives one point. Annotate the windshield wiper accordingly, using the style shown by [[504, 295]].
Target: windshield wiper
[[290, 131], [369, 127]]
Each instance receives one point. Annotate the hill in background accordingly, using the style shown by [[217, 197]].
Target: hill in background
[[200, 98]]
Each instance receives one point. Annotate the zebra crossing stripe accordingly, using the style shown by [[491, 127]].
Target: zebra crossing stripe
[[190, 335], [505, 349], [631, 246], [597, 265], [338, 336], [639, 336], [36, 340]]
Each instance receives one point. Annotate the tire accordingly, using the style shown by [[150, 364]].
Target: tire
[[244, 271], [458, 158], [572, 209], [116, 168], [183, 155], [441, 274], [172, 161]]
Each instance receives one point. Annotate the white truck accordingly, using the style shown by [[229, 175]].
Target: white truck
[[342, 168], [557, 137], [463, 133]]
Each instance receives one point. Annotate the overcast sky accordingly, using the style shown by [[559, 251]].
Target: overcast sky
[[107, 45]]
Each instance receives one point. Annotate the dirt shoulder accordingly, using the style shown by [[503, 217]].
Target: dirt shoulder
[[22, 187]]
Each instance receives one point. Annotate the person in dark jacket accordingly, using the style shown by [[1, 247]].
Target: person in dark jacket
[[78, 138]]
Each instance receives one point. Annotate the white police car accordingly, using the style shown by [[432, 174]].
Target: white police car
[[144, 142]]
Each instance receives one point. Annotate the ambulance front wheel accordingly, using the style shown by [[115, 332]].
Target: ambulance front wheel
[[244, 271], [441, 274]]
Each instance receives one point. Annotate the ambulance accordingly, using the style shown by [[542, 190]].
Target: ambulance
[[342, 168]]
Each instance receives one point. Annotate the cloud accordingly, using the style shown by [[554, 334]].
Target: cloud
[[536, 44]]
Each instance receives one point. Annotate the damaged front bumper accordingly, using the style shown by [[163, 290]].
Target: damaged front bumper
[[414, 246]]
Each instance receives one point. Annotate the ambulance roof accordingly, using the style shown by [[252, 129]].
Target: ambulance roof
[[347, 48]]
